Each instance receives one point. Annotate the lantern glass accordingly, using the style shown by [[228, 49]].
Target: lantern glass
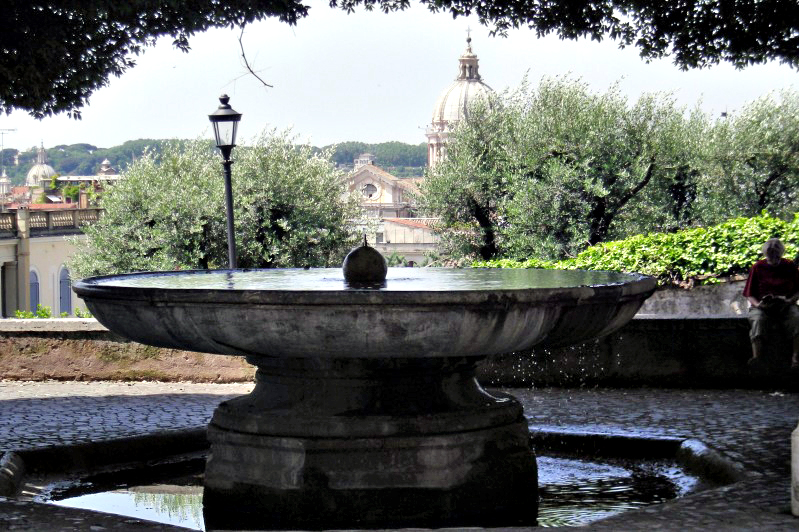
[[225, 133]]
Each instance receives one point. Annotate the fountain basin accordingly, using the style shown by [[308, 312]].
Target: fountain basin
[[425, 313], [366, 410]]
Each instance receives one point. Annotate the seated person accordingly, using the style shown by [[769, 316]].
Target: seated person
[[772, 290]]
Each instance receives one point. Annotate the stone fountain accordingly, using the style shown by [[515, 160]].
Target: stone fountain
[[366, 411]]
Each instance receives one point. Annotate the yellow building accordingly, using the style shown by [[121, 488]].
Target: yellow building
[[34, 248]]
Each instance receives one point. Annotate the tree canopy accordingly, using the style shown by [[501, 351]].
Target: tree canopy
[[56, 53], [544, 172], [292, 209]]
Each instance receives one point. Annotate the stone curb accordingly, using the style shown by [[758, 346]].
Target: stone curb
[[14, 465], [12, 471], [696, 457], [51, 325], [701, 460]]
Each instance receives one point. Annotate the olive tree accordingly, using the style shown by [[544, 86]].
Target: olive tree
[[754, 160], [467, 191], [548, 171], [292, 209]]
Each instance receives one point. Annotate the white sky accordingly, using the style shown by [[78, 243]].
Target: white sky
[[366, 76]]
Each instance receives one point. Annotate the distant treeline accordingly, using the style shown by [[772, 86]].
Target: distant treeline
[[402, 160], [385, 153], [77, 159]]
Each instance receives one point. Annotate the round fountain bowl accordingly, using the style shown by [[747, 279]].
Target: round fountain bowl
[[423, 313]]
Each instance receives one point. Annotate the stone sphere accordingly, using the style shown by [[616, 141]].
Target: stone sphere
[[365, 264]]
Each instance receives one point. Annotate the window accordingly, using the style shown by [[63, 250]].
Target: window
[[379, 238], [65, 292], [369, 190], [34, 285]]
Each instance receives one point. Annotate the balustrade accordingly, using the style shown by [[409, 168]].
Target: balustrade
[[44, 221]]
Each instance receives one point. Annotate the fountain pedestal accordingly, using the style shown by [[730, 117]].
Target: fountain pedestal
[[323, 443]]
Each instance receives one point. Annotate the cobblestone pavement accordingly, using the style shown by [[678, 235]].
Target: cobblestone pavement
[[749, 428], [40, 414]]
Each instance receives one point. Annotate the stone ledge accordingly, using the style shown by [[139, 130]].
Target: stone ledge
[[51, 325]]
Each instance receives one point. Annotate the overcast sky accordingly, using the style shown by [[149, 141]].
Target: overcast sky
[[366, 76]]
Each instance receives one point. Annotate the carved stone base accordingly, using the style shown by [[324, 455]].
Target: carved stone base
[[323, 443]]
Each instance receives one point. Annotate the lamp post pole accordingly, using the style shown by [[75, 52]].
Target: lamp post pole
[[225, 121], [231, 235]]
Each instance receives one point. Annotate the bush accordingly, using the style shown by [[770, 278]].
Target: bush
[[696, 256]]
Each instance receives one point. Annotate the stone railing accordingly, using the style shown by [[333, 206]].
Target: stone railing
[[63, 219], [8, 221], [50, 221], [426, 221]]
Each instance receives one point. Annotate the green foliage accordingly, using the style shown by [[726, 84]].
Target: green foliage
[[82, 313], [407, 160], [42, 311], [71, 191], [753, 160], [80, 159], [45, 312], [548, 172], [397, 158], [699, 254], [395, 259], [291, 210]]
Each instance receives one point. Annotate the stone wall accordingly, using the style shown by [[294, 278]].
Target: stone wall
[[695, 338], [82, 349]]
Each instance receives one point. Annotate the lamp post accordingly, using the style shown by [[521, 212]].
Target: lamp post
[[226, 121]]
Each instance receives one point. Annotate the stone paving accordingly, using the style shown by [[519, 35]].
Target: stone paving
[[749, 428], [40, 414]]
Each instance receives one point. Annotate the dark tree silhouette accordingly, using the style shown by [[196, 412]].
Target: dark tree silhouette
[[56, 53]]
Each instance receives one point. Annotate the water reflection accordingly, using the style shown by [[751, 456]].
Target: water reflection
[[181, 507], [185, 510]]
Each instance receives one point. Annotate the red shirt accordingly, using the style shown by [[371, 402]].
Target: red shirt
[[779, 280]]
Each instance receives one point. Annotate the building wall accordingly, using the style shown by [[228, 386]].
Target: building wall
[[37, 245], [48, 259]]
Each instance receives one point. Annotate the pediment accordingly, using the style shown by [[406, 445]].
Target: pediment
[[372, 174]]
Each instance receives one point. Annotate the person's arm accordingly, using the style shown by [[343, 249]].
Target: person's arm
[[750, 289], [795, 297]]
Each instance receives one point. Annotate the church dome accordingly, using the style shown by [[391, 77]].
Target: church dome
[[454, 102], [40, 173]]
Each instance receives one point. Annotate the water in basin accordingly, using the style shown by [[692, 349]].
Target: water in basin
[[573, 492], [399, 279]]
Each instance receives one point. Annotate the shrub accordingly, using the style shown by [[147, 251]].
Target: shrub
[[700, 255]]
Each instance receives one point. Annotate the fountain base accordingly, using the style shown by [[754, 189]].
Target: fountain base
[[323, 443]]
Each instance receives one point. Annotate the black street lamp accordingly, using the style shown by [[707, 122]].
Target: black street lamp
[[226, 121]]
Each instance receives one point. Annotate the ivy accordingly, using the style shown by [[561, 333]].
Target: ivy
[[692, 256]]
